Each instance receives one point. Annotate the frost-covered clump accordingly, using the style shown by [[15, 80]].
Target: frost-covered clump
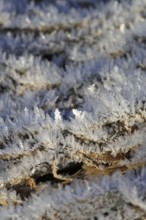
[[73, 109]]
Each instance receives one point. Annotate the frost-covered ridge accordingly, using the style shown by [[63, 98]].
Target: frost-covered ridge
[[73, 109]]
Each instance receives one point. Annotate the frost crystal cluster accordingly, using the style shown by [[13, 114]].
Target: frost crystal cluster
[[73, 109]]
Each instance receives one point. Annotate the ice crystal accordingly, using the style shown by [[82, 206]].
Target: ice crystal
[[72, 109]]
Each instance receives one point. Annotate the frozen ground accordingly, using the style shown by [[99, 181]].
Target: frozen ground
[[72, 110]]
